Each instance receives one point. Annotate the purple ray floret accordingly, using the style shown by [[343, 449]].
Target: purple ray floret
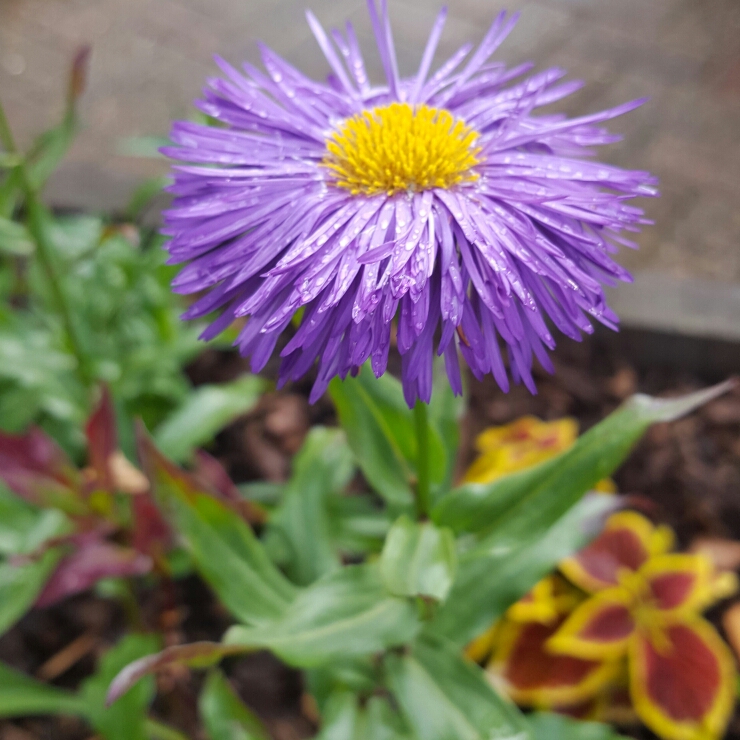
[[480, 268]]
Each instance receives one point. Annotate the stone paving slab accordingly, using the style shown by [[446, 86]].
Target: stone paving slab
[[151, 58]]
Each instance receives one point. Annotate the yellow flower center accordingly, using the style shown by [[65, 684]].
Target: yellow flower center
[[400, 148]]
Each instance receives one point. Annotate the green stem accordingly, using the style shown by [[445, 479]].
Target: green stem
[[423, 493], [156, 730], [45, 249]]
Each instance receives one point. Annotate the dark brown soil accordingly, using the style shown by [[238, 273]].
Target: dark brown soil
[[686, 474]]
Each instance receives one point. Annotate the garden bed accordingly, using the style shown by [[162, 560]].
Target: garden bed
[[686, 474]]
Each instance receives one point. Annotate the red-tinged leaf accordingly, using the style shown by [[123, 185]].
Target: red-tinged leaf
[[214, 478], [156, 465], [628, 540], [195, 655], [35, 468], [151, 533], [534, 676], [92, 561], [102, 441], [682, 680], [599, 629]]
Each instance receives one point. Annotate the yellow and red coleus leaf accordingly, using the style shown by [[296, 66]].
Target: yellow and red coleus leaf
[[519, 445], [479, 649], [627, 542], [682, 680], [599, 629], [679, 583], [550, 598], [534, 676]]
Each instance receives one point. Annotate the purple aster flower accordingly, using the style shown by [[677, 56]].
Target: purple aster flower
[[439, 205]]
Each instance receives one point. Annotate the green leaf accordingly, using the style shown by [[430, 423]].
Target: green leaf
[[346, 613], [9, 160], [207, 410], [550, 726], [21, 696], [381, 432], [222, 545], [267, 493], [48, 151], [15, 239], [493, 575], [445, 411], [20, 584], [359, 525], [346, 718], [356, 675], [126, 719], [526, 504], [419, 559], [370, 435], [443, 696], [142, 146], [322, 468], [75, 236], [23, 527], [224, 715]]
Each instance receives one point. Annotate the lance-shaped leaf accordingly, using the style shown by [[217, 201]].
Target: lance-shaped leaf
[[380, 429], [20, 584], [532, 500], [195, 655], [322, 468], [443, 696], [102, 441], [346, 717], [224, 715], [356, 674], [24, 527], [205, 412], [90, 562], [371, 437], [682, 680], [346, 613], [126, 720], [212, 474], [419, 559], [495, 574], [223, 546], [34, 467], [21, 696]]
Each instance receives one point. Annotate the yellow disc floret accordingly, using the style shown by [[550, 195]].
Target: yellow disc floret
[[401, 148]]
